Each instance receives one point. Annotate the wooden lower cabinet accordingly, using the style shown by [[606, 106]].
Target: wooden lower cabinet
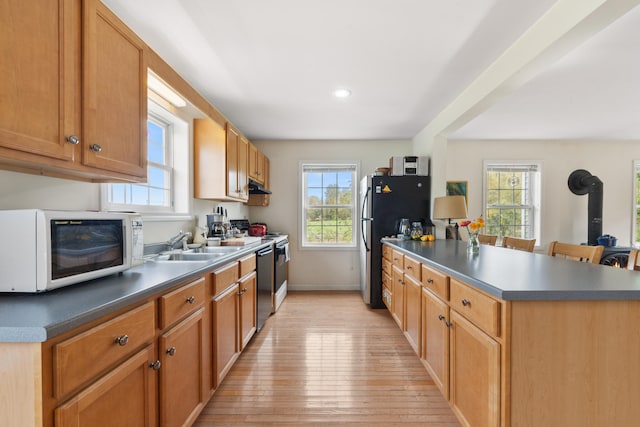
[[412, 323], [397, 302], [225, 333], [474, 377], [435, 340], [126, 396], [247, 296], [182, 390]]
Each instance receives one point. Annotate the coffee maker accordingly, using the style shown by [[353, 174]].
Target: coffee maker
[[215, 225]]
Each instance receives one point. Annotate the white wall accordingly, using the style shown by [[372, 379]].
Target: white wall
[[316, 269], [24, 191], [563, 214]]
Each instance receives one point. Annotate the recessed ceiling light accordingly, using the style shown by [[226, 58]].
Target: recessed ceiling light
[[342, 93]]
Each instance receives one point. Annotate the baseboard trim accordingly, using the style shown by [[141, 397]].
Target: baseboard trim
[[327, 287]]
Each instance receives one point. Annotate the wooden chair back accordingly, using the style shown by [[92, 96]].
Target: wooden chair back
[[486, 239], [634, 260], [519, 244], [574, 252]]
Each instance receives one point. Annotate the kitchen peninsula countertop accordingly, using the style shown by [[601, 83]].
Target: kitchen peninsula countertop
[[516, 275], [42, 316]]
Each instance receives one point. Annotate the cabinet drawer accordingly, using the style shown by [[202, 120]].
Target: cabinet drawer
[[387, 252], [177, 304], [398, 259], [83, 357], [247, 264], [224, 277], [386, 266], [386, 281], [475, 306], [412, 268], [436, 281]]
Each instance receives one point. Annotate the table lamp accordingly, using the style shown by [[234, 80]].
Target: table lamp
[[450, 207]]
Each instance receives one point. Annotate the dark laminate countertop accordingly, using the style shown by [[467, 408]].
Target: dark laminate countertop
[[516, 275], [39, 317]]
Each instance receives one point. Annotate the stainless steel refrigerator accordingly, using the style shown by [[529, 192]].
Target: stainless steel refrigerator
[[384, 200]]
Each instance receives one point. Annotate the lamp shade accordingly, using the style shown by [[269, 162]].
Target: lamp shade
[[449, 207]]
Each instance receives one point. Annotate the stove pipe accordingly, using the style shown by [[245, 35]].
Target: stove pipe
[[582, 182]]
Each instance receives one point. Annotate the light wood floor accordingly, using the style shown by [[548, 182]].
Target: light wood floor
[[327, 358]]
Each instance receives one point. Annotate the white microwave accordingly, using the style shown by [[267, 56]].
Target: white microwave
[[43, 250]]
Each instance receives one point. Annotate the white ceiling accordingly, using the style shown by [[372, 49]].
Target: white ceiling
[[271, 66]]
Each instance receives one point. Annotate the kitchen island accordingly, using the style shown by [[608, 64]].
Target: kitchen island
[[520, 339], [147, 346]]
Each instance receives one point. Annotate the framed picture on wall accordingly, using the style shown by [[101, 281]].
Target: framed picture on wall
[[458, 188]]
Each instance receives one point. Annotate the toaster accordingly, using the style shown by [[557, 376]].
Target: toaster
[[257, 230]]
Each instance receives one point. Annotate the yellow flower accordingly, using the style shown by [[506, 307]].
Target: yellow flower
[[474, 226]]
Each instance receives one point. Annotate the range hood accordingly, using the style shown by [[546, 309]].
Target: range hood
[[256, 188]]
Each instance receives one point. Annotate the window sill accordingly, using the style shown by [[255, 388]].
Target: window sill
[[153, 217]]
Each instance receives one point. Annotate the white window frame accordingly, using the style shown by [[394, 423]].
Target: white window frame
[[635, 205], [174, 124], [535, 179], [319, 165]]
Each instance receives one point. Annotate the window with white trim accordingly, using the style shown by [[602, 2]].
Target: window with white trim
[[157, 195], [512, 199], [635, 233], [329, 209]]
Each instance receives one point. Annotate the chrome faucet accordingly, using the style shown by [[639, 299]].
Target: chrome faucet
[[181, 236]]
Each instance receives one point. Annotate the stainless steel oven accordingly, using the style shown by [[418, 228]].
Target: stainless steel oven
[[281, 264]]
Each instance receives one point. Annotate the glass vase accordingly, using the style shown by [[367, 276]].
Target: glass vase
[[473, 245]]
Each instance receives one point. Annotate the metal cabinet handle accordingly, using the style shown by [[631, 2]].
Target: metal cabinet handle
[[409, 267], [122, 340], [448, 324], [429, 280], [466, 302], [73, 139], [155, 365], [440, 317], [95, 147], [191, 299], [171, 351]]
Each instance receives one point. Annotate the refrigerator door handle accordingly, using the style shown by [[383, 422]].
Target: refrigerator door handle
[[363, 219]]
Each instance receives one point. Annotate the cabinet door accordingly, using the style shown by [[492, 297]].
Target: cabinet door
[[233, 139], [114, 94], [248, 313], [225, 333], [243, 169], [209, 160], [435, 340], [397, 302], [412, 325], [182, 389], [474, 374], [40, 78], [126, 396], [253, 162]]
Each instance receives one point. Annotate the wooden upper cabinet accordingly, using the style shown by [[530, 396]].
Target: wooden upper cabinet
[[256, 164], [74, 95], [209, 161], [39, 79], [114, 94], [237, 165]]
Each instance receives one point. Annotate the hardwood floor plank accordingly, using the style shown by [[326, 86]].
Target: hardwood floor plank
[[328, 358]]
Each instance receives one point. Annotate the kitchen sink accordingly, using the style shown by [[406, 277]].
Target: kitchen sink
[[207, 253]]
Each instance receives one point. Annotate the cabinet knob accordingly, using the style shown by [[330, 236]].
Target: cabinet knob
[[409, 267], [466, 302], [171, 351], [155, 365], [73, 139], [191, 299], [440, 317], [429, 280], [122, 340], [447, 323], [95, 147]]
